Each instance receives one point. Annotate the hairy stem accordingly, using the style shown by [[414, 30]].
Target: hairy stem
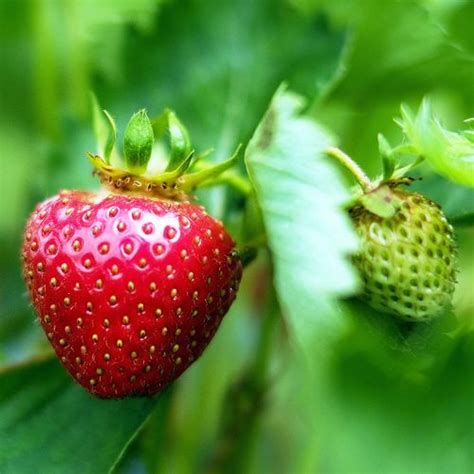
[[352, 166]]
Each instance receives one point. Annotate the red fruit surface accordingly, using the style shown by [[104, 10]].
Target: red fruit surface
[[129, 290]]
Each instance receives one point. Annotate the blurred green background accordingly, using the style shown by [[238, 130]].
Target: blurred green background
[[380, 397]]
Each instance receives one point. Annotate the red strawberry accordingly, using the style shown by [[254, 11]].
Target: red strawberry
[[129, 289]]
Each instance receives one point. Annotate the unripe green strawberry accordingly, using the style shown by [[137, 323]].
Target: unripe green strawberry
[[407, 261]]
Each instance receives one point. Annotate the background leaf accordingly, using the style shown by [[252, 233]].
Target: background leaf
[[48, 424], [451, 154], [301, 198], [376, 397]]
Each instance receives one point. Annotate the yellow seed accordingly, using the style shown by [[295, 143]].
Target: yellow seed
[[104, 248], [125, 320], [190, 276], [95, 337], [89, 306], [99, 371], [62, 342], [79, 322], [176, 348], [152, 349], [78, 360], [76, 245], [53, 282], [142, 263], [174, 292], [140, 307], [67, 329], [113, 299], [131, 286], [114, 269], [147, 368], [67, 301], [40, 266], [158, 312], [92, 381], [106, 323], [87, 263], [153, 286], [119, 343], [178, 360], [142, 334], [99, 284], [178, 332], [164, 331], [134, 355], [106, 356], [64, 267], [47, 318], [83, 349]]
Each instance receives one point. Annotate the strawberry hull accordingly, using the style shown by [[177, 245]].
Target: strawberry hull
[[129, 290]]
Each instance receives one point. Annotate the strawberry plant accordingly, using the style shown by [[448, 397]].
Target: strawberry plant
[[279, 280]]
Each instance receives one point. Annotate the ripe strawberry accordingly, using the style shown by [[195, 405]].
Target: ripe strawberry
[[407, 261], [129, 290], [131, 285]]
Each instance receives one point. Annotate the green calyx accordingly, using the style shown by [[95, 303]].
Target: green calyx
[[136, 171], [450, 154], [377, 196], [138, 142]]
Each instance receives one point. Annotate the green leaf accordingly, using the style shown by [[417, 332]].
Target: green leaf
[[48, 424], [451, 154], [301, 197]]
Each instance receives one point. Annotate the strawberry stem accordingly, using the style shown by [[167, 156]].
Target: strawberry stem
[[352, 166]]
